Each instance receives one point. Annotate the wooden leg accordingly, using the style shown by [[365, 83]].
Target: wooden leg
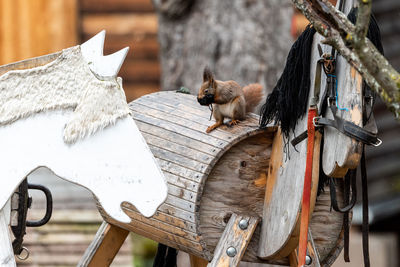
[[197, 262], [234, 239], [311, 252], [6, 252], [106, 244], [293, 258]]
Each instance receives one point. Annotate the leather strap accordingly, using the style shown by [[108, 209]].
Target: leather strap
[[365, 220], [305, 206]]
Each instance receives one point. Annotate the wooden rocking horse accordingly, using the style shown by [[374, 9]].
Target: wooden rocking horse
[[234, 194]]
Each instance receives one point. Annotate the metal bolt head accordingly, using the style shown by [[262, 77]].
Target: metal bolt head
[[243, 224], [308, 260], [231, 252]]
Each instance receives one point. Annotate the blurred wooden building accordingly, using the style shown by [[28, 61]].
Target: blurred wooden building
[[30, 28]]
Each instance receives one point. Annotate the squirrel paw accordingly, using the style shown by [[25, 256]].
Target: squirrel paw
[[209, 129], [233, 122]]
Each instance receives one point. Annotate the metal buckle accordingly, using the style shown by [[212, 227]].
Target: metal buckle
[[330, 101], [315, 121], [379, 142]]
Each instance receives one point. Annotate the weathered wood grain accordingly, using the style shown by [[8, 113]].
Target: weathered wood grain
[[200, 202], [233, 237], [197, 262], [105, 246], [337, 159]]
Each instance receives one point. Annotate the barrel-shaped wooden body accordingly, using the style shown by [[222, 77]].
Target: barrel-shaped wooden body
[[209, 175]]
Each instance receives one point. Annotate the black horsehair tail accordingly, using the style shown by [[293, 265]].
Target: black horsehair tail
[[288, 101]]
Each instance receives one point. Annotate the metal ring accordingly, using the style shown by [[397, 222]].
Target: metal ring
[[315, 121], [27, 254], [379, 142]]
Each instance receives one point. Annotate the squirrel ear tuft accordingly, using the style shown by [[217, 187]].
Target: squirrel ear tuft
[[207, 75]]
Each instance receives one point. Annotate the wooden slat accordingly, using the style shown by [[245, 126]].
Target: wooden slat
[[135, 90], [154, 235], [160, 216], [197, 262], [120, 24], [179, 120], [178, 138], [179, 159], [105, 246], [34, 28], [141, 71], [233, 237], [163, 225], [183, 150], [116, 6], [140, 46], [200, 136]]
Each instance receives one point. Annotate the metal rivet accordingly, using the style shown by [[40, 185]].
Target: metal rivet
[[308, 260], [243, 224], [231, 252]]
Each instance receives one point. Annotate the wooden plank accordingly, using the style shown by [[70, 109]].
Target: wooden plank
[[160, 216], [141, 71], [120, 24], [105, 246], [177, 138], [139, 228], [159, 238], [182, 193], [33, 28], [179, 120], [199, 136], [179, 159], [116, 6], [244, 169], [236, 238], [134, 90], [183, 150], [167, 227], [340, 151], [197, 262], [140, 46]]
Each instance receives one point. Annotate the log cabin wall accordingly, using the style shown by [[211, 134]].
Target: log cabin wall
[[130, 23], [34, 28]]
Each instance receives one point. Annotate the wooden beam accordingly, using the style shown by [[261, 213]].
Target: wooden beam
[[124, 24], [105, 246], [236, 238], [117, 5], [197, 262]]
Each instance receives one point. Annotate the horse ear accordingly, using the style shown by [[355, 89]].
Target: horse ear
[[104, 67], [207, 75]]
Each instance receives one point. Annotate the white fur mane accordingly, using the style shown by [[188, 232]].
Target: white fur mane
[[65, 83]]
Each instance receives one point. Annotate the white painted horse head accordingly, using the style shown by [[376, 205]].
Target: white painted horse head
[[71, 116]]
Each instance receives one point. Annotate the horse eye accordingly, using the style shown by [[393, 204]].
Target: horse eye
[[206, 91]]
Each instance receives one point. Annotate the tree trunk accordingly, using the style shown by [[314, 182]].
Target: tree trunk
[[242, 40]]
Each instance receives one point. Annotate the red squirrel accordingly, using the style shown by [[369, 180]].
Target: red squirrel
[[228, 99]]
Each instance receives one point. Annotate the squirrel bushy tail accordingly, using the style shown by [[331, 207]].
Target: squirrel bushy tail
[[253, 93]]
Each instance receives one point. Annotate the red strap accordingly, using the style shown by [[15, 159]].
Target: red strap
[[305, 207]]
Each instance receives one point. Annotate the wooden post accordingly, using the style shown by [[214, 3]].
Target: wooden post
[[235, 238], [106, 244], [197, 262], [6, 252]]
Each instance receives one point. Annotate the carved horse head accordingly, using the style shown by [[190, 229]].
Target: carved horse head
[[71, 116]]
